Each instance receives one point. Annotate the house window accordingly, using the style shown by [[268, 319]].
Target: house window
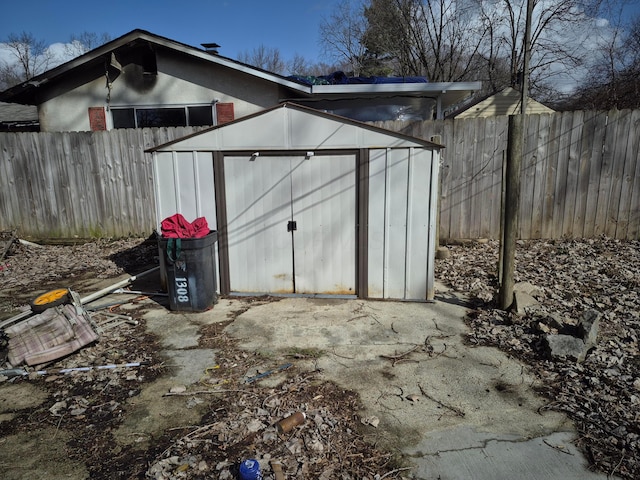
[[140, 117]]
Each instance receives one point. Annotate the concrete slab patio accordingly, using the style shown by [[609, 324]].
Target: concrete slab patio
[[454, 411]]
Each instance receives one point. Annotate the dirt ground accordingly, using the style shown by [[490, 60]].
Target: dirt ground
[[46, 417]]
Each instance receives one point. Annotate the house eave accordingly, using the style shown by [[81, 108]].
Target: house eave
[[23, 93], [436, 88]]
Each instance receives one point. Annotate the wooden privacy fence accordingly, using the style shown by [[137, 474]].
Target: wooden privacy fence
[[580, 178], [80, 184], [580, 174]]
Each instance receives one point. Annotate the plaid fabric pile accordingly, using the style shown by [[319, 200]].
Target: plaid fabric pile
[[53, 334]]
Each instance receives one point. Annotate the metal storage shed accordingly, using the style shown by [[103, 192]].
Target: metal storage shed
[[309, 203]]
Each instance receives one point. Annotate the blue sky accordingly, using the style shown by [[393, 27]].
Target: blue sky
[[237, 25]]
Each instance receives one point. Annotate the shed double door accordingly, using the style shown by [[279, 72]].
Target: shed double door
[[291, 224]]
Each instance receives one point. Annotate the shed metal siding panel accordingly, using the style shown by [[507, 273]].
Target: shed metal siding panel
[[184, 184], [418, 216], [377, 222], [261, 132], [395, 258], [401, 231], [165, 186], [258, 209], [324, 208]]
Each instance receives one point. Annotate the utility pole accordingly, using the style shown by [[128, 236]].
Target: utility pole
[[515, 144]]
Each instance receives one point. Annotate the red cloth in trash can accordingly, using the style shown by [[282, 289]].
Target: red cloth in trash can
[[176, 226]]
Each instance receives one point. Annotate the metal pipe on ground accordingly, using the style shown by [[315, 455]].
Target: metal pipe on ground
[[110, 289], [88, 298]]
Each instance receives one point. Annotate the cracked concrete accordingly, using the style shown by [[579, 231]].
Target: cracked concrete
[[454, 411], [464, 453]]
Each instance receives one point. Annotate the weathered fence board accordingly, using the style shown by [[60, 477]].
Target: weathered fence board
[[580, 177], [79, 184]]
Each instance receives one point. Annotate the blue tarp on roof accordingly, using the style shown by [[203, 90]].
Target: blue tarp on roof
[[340, 78]]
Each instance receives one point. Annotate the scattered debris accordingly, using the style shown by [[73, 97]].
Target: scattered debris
[[372, 420], [6, 240], [243, 408], [269, 372], [14, 372], [398, 358], [571, 278], [288, 423], [50, 335], [579, 340]]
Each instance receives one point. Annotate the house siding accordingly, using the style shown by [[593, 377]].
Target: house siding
[[505, 102], [179, 81]]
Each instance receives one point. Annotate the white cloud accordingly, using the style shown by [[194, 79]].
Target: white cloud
[[56, 53]]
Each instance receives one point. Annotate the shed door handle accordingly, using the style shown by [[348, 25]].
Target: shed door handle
[[292, 226]]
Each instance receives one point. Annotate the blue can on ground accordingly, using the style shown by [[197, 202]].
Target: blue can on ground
[[250, 470]]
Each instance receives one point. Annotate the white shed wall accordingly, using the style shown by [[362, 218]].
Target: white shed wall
[[402, 201], [401, 246], [184, 184], [290, 129]]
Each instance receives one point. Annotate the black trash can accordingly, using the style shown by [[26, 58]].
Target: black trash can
[[188, 271]]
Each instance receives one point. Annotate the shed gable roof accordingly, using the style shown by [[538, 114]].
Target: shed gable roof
[[292, 127]]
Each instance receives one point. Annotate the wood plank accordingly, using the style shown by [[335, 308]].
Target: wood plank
[[101, 170], [527, 176], [464, 190], [539, 178], [574, 125], [447, 158], [595, 169], [475, 133], [42, 202], [8, 193], [633, 229], [550, 179], [627, 208], [563, 139], [84, 196], [70, 215], [618, 162], [498, 132], [587, 135], [458, 219], [605, 181]]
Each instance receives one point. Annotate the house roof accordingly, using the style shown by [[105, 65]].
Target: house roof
[[502, 102], [13, 115], [26, 93], [290, 126], [13, 112]]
